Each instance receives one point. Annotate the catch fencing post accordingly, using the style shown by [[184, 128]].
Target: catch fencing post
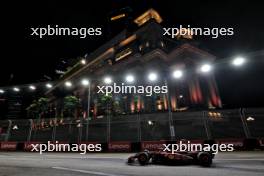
[[30, 130], [8, 130], [207, 130]]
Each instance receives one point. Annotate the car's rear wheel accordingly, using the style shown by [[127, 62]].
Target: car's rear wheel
[[143, 159], [205, 159]]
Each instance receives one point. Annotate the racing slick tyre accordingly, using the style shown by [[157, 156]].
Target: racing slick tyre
[[130, 160], [205, 159], [143, 159]]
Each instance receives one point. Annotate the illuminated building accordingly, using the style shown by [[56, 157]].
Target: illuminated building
[[137, 52]]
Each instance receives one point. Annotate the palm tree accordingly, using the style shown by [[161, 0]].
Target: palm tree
[[32, 109], [38, 107], [110, 105], [42, 106], [105, 102], [71, 103]]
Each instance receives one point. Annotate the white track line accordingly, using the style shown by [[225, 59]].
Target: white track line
[[85, 171], [241, 159]]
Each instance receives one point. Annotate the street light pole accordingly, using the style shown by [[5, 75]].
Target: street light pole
[[172, 130], [108, 123], [139, 126], [30, 130], [244, 123], [88, 112]]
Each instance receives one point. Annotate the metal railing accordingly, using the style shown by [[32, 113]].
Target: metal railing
[[211, 124]]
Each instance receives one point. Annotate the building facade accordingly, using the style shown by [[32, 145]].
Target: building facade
[[138, 52]]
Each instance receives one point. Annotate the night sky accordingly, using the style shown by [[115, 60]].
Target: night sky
[[28, 58]]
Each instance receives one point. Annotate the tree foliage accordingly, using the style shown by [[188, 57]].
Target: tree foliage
[[71, 103], [38, 107]]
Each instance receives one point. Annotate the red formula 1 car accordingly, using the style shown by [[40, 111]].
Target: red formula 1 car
[[181, 158]]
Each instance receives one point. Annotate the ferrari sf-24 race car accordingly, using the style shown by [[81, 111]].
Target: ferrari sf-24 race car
[[180, 158]]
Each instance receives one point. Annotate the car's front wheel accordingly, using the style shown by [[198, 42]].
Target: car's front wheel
[[205, 159], [143, 159], [130, 160]]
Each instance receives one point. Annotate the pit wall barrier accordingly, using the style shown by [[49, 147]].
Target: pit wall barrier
[[8, 146], [119, 147]]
